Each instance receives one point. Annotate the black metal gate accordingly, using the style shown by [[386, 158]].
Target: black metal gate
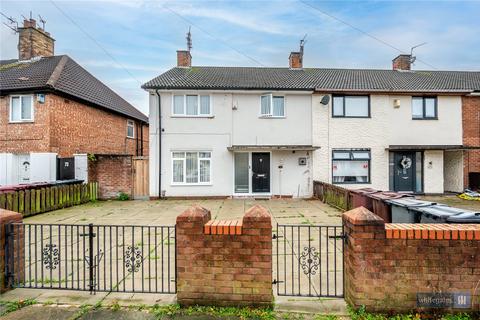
[[112, 258], [308, 260]]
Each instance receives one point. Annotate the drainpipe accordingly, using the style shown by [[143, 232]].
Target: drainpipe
[[159, 146]]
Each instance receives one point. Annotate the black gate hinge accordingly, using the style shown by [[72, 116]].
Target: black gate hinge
[[275, 281], [276, 236]]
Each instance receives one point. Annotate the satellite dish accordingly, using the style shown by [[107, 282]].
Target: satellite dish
[[325, 100]]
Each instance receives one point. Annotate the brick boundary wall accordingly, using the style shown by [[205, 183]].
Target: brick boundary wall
[[113, 174], [224, 263], [7, 217], [386, 265]]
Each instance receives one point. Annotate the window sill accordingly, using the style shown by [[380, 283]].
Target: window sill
[[272, 117], [130, 137], [22, 121], [425, 118], [206, 116], [351, 117], [351, 183], [191, 184]]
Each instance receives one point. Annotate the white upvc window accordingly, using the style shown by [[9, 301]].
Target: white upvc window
[[130, 129], [351, 106], [272, 106], [21, 108], [191, 105], [424, 108], [191, 167], [351, 166]]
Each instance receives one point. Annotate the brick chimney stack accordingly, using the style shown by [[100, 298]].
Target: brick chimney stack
[[295, 60], [184, 58], [402, 62], [33, 41]]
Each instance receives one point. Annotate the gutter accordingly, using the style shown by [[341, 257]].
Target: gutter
[[159, 146]]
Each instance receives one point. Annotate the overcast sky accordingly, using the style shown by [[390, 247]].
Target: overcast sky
[[135, 41]]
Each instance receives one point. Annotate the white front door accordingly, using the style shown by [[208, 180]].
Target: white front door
[[24, 168]]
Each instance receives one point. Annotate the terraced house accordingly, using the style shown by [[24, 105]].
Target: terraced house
[[268, 132], [53, 113]]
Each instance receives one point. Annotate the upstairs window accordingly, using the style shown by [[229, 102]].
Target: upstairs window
[[130, 129], [351, 166], [272, 106], [21, 108], [424, 108], [351, 107], [191, 105]]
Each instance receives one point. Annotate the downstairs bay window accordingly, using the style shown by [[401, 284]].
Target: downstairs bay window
[[351, 166], [191, 168]]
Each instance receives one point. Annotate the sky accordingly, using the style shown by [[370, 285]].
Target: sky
[[126, 43]]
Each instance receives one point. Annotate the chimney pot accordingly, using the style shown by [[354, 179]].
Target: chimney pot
[[295, 60], [402, 62], [29, 23], [184, 58]]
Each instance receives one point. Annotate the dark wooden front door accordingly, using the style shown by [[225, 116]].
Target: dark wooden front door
[[66, 168], [261, 172], [404, 175]]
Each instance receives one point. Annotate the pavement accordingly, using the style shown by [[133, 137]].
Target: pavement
[[306, 215]]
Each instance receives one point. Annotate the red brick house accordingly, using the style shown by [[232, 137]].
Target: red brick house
[[51, 107], [471, 140]]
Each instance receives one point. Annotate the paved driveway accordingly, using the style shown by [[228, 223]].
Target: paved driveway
[[164, 212]]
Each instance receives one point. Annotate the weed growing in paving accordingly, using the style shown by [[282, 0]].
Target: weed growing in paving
[[84, 309], [122, 196], [115, 306], [12, 306]]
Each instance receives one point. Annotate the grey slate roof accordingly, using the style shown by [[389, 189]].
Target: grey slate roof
[[251, 78], [64, 75]]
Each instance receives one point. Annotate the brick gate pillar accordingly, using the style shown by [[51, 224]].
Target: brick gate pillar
[[225, 263], [362, 253], [7, 217]]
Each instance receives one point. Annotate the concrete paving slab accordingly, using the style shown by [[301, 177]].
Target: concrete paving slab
[[133, 299], [311, 305], [69, 297], [20, 294], [104, 314], [41, 312]]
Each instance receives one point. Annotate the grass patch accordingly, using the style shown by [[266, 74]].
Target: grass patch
[[11, 306], [362, 314], [170, 311]]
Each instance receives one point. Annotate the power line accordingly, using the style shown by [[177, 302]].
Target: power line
[[95, 41], [360, 30], [214, 37]]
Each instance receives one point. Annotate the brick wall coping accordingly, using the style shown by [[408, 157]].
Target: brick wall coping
[[432, 231], [195, 213], [7, 216], [257, 214], [231, 227], [362, 217]]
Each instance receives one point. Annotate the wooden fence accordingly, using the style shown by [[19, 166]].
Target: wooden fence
[[38, 200], [335, 196]]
